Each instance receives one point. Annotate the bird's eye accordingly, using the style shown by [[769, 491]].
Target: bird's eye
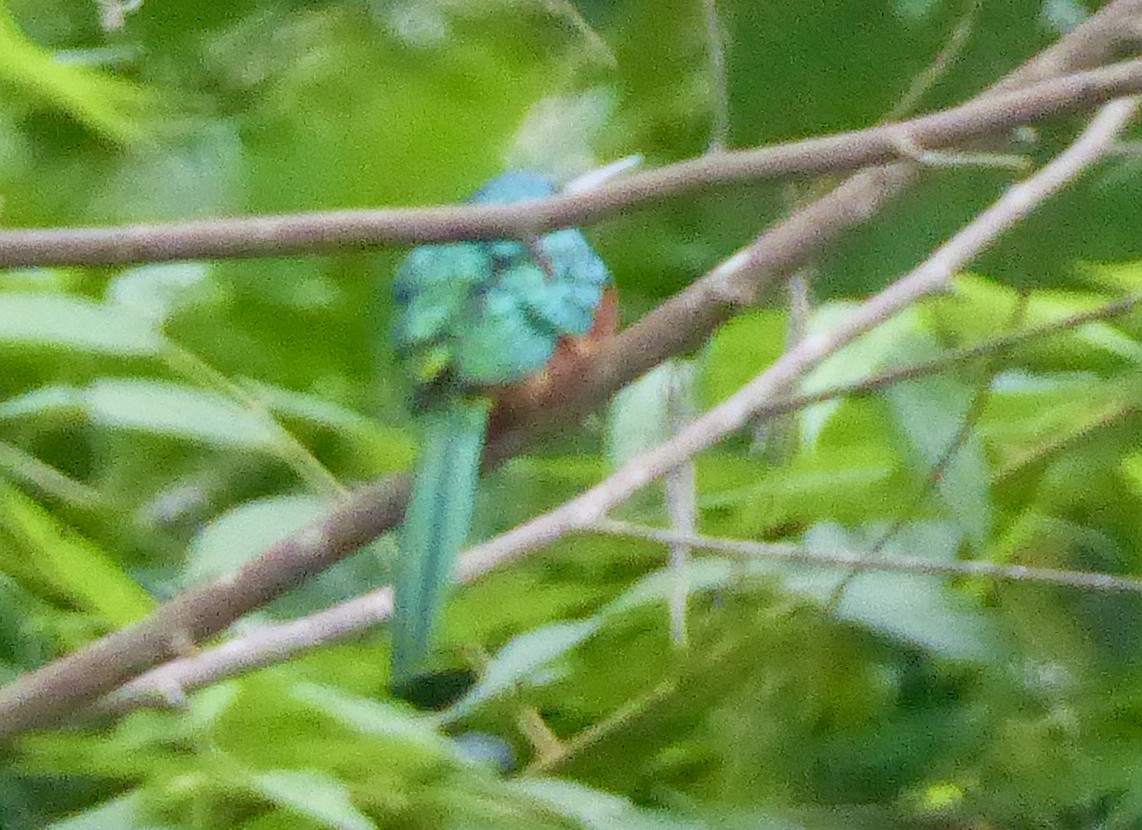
[[402, 291]]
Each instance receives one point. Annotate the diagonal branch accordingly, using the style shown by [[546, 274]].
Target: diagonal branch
[[587, 512], [931, 276], [50, 694], [270, 644]]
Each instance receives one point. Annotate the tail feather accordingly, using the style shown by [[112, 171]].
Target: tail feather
[[436, 526]]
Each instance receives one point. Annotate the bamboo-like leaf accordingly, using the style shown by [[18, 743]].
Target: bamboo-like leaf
[[75, 324], [238, 535], [113, 107], [70, 564], [522, 658], [316, 795], [177, 411]]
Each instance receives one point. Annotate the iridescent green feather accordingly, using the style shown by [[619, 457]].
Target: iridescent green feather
[[436, 524], [473, 315]]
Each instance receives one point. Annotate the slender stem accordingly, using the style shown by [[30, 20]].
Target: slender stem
[[994, 113]]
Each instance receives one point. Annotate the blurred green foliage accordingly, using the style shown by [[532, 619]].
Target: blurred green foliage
[[159, 425]]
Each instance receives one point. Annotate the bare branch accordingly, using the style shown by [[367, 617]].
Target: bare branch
[[267, 645], [801, 555], [255, 648], [167, 685], [590, 507], [59, 689], [719, 77], [331, 231], [587, 511], [49, 694]]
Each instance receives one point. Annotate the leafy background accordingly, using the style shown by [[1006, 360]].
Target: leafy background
[[161, 424]]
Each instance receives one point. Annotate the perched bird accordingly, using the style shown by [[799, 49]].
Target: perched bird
[[476, 321]]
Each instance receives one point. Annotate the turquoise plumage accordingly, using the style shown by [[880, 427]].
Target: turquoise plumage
[[472, 317]]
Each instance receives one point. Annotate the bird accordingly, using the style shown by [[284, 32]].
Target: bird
[[478, 322]]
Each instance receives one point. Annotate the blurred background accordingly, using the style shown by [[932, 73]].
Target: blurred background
[[161, 424]]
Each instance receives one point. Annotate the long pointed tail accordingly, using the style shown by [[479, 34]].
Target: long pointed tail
[[435, 527]]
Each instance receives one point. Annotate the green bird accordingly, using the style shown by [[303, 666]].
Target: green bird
[[472, 318]]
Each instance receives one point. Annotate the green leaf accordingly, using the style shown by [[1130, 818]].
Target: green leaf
[[64, 402], [178, 411], [76, 325], [370, 717], [25, 466], [123, 813], [195, 172], [639, 415], [595, 809], [315, 794], [916, 608], [880, 347], [932, 413], [521, 659], [1030, 416], [740, 349], [241, 534], [559, 131], [981, 307], [753, 497], [1132, 471], [71, 564], [154, 292], [113, 107], [388, 448], [26, 638], [700, 575], [155, 407]]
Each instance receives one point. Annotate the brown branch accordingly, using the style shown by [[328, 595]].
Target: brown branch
[[332, 231], [799, 554], [52, 693], [45, 695], [587, 512], [687, 319], [733, 413], [266, 645]]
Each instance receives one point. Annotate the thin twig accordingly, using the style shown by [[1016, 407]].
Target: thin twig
[[46, 478], [267, 645], [719, 78], [776, 438], [287, 445], [681, 496], [980, 351], [731, 415], [1106, 417], [801, 555], [58, 690], [588, 510], [331, 231], [939, 66], [981, 396], [620, 717]]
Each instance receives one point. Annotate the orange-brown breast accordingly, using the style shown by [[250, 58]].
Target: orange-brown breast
[[571, 356]]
